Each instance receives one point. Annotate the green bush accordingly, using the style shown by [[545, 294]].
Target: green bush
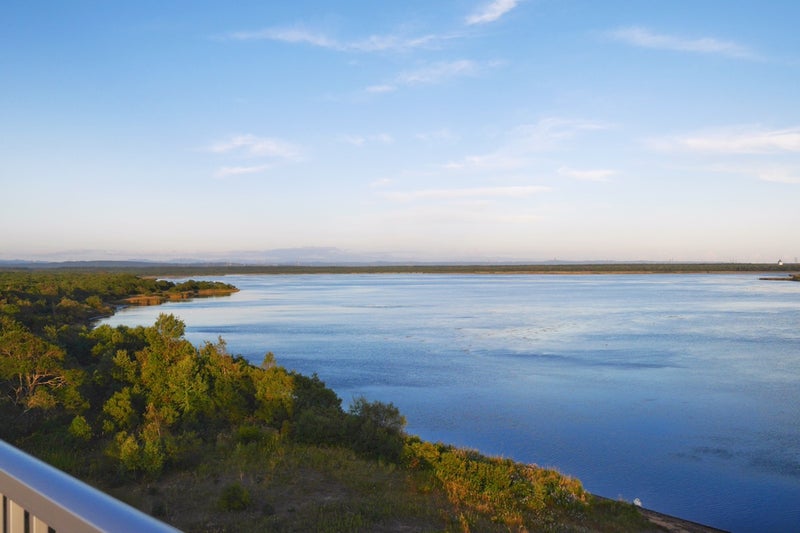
[[234, 497], [375, 430], [80, 429], [512, 493], [247, 433]]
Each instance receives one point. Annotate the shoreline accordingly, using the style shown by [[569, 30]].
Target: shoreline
[[674, 524], [670, 523]]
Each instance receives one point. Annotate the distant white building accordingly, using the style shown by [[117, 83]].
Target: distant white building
[[780, 262]]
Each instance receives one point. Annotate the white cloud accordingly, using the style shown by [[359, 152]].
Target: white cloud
[[491, 12], [224, 172], [385, 88], [737, 140], [287, 35], [441, 135], [644, 38], [434, 73], [779, 175], [600, 175], [768, 172], [382, 182], [516, 191], [381, 43], [355, 140], [383, 138], [362, 140], [256, 146], [492, 162], [549, 133], [439, 72], [373, 43]]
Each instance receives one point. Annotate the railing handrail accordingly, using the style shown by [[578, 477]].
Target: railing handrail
[[65, 503]]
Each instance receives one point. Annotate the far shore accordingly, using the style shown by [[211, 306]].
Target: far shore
[[789, 272]]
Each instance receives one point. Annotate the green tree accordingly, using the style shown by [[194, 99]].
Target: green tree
[[376, 429], [229, 396], [164, 388], [274, 392], [317, 415], [33, 372]]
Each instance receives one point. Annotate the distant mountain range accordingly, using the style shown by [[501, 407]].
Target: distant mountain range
[[306, 256], [303, 256]]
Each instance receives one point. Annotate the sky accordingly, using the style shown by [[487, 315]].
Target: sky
[[454, 130]]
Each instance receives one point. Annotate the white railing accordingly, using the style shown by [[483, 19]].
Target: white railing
[[37, 498]]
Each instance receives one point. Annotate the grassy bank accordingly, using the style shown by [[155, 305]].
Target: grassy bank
[[269, 485]]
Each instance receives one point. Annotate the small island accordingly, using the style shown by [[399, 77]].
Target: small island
[[168, 291]]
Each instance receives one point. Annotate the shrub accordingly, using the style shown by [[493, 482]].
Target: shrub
[[247, 433], [512, 493], [375, 429], [80, 429], [234, 497]]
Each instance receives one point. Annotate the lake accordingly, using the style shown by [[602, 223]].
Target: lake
[[680, 390]]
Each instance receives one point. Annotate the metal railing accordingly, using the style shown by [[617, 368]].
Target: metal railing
[[37, 498]]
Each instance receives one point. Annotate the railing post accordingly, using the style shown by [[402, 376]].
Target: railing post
[[16, 517], [38, 525]]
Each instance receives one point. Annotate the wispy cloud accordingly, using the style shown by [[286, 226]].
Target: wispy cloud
[[523, 142], [779, 175], [645, 38], [498, 161], [516, 191], [287, 35], [737, 140], [438, 72], [372, 43], [548, 133], [363, 140], [225, 172], [600, 175], [382, 88], [441, 135], [381, 43], [768, 172], [252, 145], [434, 73], [491, 12], [267, 151], [381, 182]]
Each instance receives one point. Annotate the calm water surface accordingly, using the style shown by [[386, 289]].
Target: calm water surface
[[680, 390]]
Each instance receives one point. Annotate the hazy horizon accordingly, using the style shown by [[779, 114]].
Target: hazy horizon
[[461, 130], [335, 257]]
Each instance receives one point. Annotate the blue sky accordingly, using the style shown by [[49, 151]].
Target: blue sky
[[402, 130]]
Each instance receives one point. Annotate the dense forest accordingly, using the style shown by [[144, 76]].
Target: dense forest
[[207, 441]]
